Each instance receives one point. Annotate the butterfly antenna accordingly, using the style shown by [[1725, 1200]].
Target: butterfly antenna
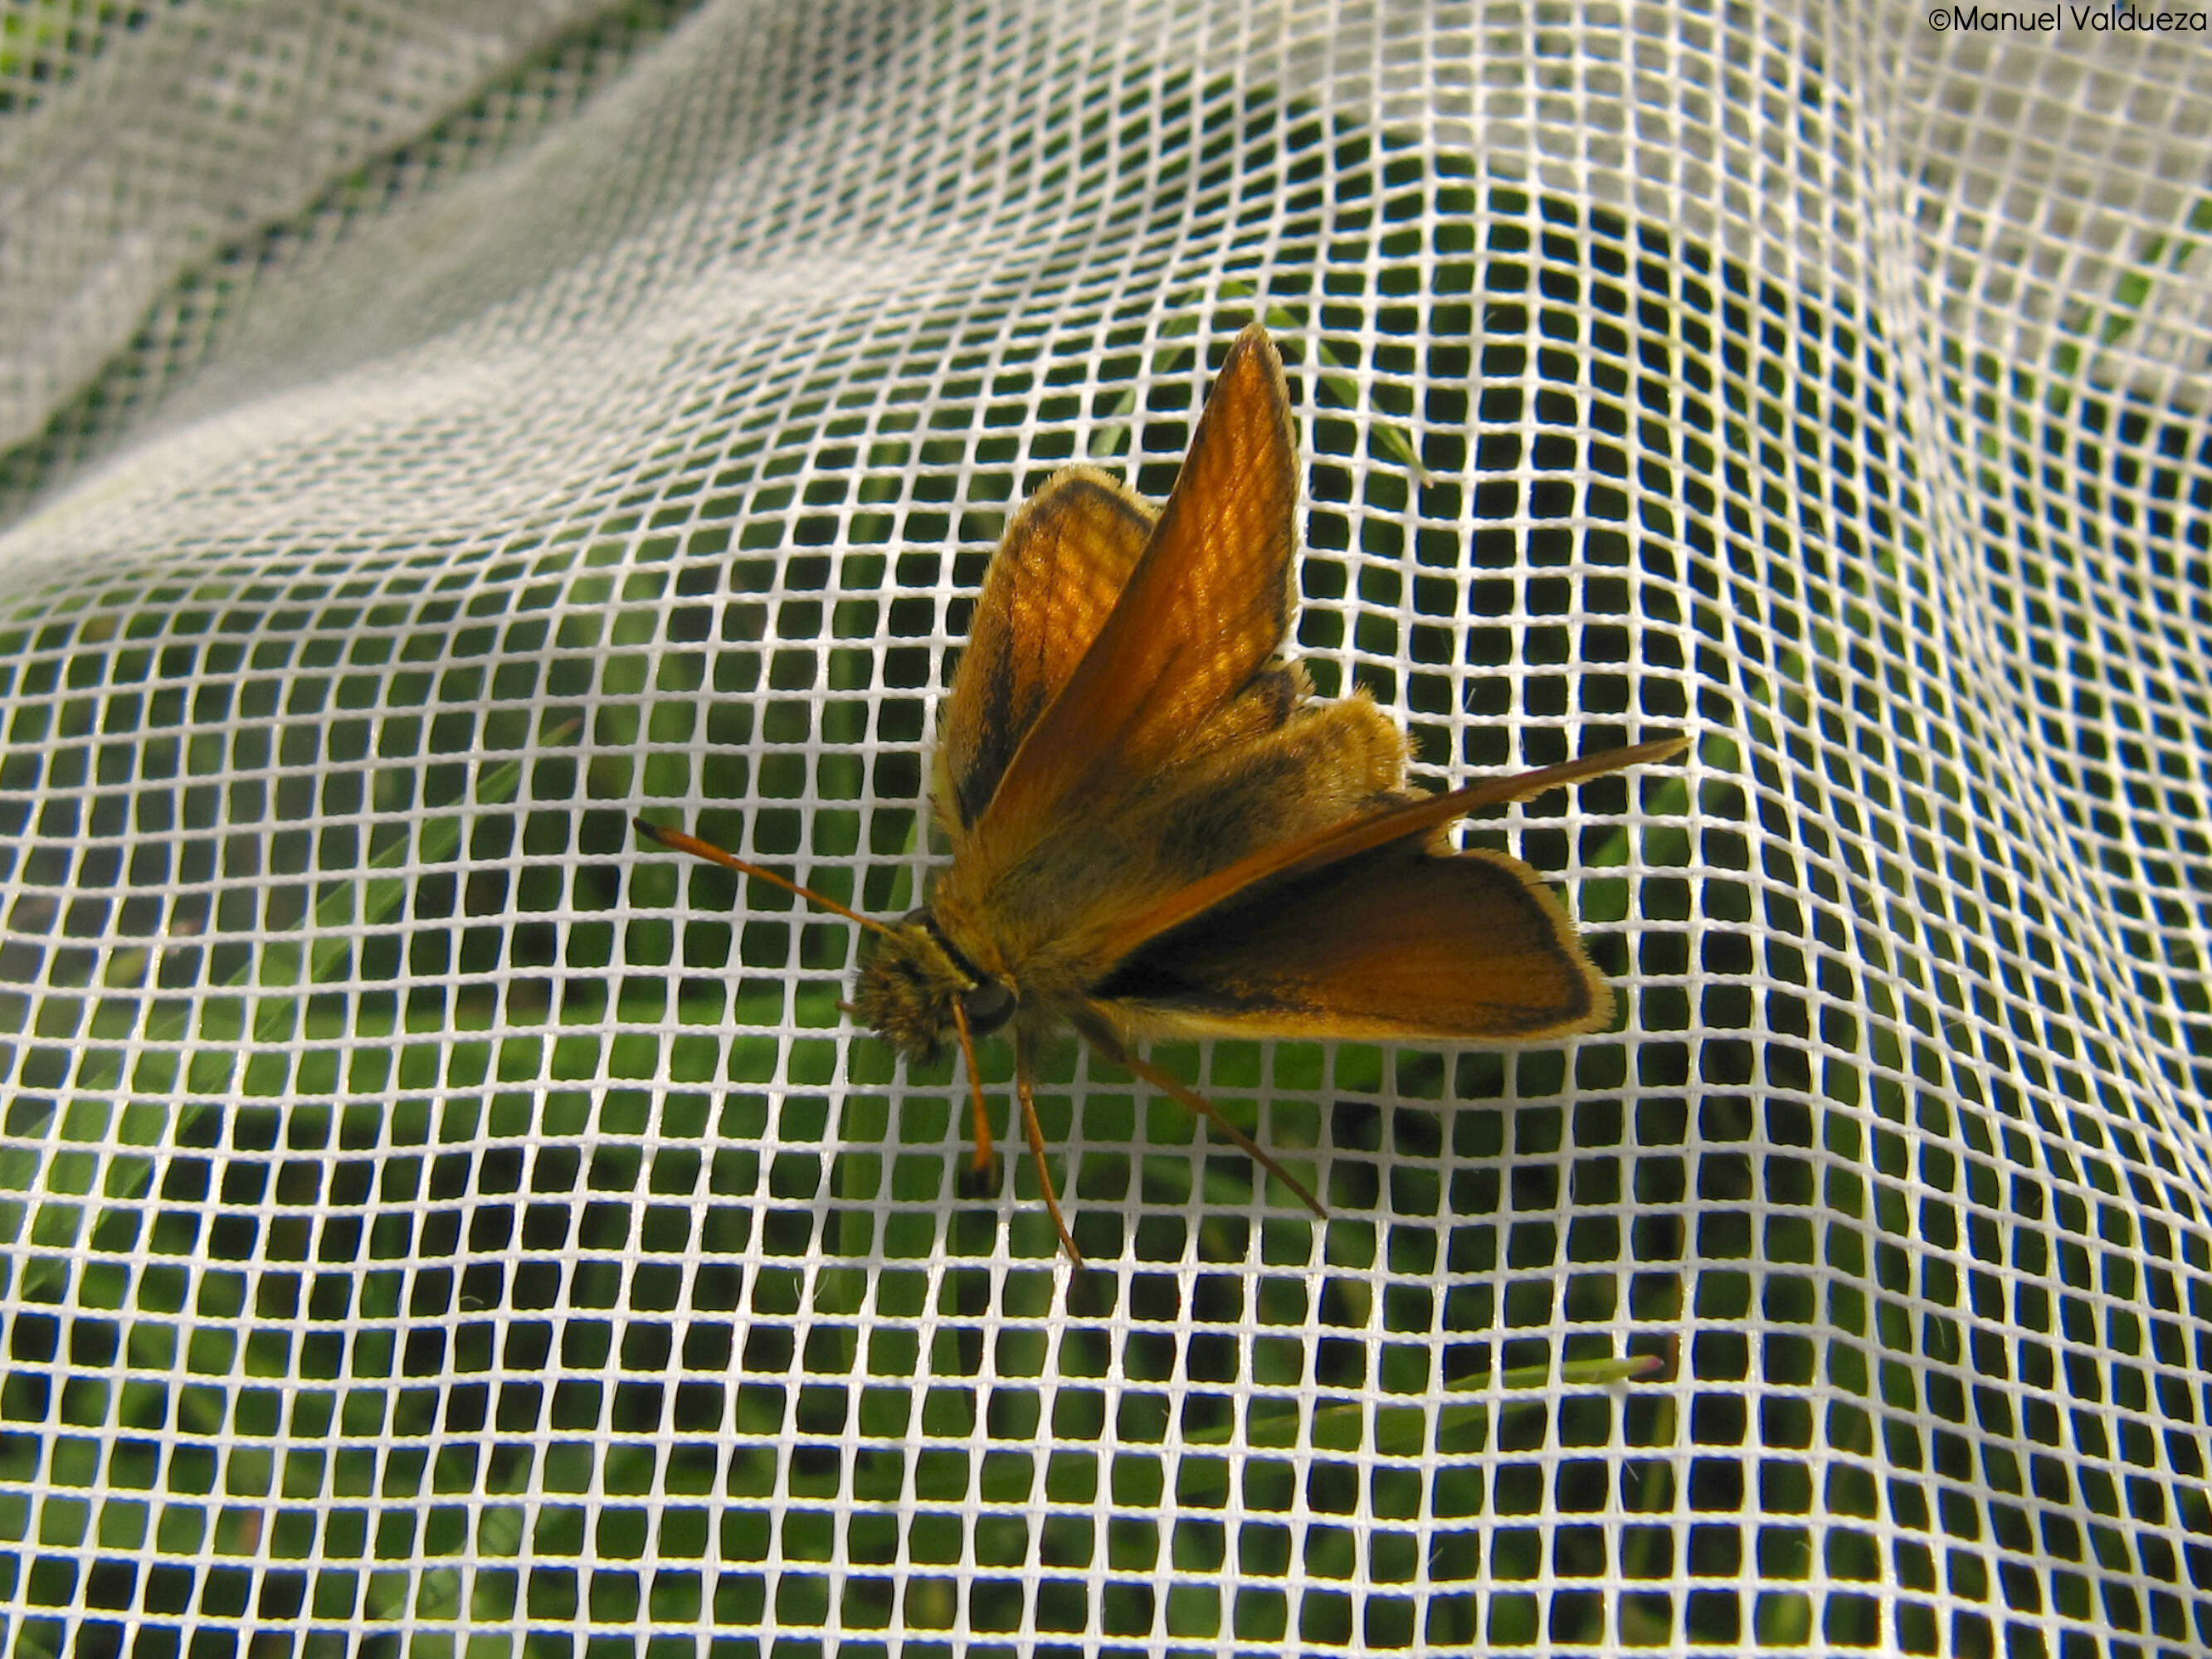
[[1027, 1095], [1207, 1109], [678, 842]]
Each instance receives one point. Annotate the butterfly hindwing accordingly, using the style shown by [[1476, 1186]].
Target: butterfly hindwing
[[1391, 943]]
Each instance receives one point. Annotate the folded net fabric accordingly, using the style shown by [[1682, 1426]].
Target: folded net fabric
[[434, 434]]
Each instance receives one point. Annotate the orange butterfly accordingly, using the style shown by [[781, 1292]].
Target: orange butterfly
[[1154, 833]]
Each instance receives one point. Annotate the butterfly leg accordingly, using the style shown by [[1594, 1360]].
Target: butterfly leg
[[978, 1110], [1024, 1089], [1101, 1037]]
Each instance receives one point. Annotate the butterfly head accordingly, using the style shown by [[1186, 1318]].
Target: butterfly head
[[911, 983]]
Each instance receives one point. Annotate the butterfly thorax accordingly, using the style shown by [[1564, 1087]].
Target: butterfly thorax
[[910, 985]]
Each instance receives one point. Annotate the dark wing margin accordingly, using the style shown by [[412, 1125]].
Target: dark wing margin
[[1050, 588]]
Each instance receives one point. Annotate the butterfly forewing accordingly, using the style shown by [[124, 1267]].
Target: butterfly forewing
[[1206, 608], [1406, 816]]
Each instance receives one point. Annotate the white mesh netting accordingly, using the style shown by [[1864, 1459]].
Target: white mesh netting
[[435, 432]]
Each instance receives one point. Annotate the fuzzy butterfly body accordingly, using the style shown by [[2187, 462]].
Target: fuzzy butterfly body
[[1153, 831]]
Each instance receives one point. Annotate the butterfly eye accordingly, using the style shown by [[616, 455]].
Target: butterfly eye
[[988, 1006]]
